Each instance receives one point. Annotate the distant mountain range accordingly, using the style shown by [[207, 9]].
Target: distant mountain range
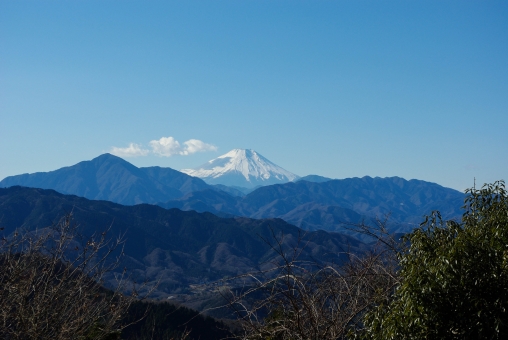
[[312, 202], [332, 204], [241, 168]]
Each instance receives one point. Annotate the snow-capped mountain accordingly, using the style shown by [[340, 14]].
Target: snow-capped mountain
[[243, 168]]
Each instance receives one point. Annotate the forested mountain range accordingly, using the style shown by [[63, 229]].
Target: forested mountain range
[[173, 247]]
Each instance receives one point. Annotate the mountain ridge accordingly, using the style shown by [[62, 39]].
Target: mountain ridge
[[312, 203], [108, 177], [332, 204]]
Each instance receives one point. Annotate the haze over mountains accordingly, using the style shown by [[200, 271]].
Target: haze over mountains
[[332, 204], [312, 203]]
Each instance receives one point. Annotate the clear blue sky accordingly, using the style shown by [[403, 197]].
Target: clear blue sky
[[416, 89]]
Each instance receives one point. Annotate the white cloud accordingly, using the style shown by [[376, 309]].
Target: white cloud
[[164, 147], [168, 146], [195, 145], [133, 150]]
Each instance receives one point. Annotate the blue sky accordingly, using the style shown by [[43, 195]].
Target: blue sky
[[416, 89]]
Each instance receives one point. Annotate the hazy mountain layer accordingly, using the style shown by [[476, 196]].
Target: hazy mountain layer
[[314, 178], [328, 205]]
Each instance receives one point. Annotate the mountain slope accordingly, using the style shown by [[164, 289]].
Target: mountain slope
[[111, 178], [217, 202], [243, 168], [175, 179], [405, 201]]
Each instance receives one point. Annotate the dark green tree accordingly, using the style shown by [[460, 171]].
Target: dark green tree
[[453, 276]]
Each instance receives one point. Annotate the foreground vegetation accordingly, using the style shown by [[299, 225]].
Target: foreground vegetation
[[52, 287], [445, 280], [453, 277]]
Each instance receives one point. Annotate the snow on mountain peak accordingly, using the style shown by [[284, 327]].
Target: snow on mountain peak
[[241, 167]]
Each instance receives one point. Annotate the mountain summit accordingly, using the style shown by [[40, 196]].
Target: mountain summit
[[241, 167], [111, 178]]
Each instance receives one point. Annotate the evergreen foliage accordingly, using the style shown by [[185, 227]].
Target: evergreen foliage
[[454, 276]]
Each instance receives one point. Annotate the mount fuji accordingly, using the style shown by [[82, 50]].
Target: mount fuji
[[242, 168]]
